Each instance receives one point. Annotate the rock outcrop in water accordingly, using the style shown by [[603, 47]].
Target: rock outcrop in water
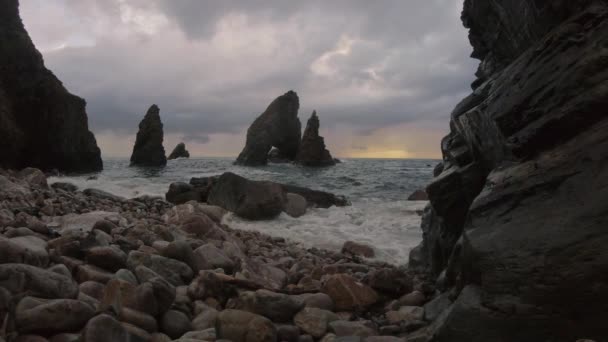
[[515, 232], [312, 148], [179, 152], [148, 149], [279, 127], [41, 123]]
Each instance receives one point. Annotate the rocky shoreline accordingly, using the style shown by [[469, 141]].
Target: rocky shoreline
[[87, 264]]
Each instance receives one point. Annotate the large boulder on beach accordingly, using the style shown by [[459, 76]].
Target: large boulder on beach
[[252, 200], [515, 231], [312, 148], [148, 149], [41, 124], [279, 127], [179, 152]]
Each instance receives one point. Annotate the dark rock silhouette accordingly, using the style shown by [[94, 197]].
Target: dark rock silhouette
[[278, 127], [515, 233], [148, 149], [179, 152], [41, 124], [312, 148]]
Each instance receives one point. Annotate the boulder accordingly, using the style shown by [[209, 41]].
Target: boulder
[[312, 148], [179, 152], [315, 300], [349, 294], [277, 307], [29, 250], [356, 328], [243, 326], [175, 324], [20, 278], [296, 205], [209, 257], [252, 200], [418, 195], [314, 322], [110, 258], [358, 249], [104, 328], [34, 315], [175, 272], [180, 193], [262, 275], [278, 127], [60, 139], [148, 149]]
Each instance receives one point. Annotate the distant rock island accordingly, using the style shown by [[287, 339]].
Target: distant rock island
[[148, 149], [179, 152], [312, 148], [276, 136], [277, 127], [41, 124]]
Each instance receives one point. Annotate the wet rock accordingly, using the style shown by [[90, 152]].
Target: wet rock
[[277, 307], [38, 315], [110, 258], [19, 278], [180, 193], [349, 294], [263, 275], [93, 273], [139, 319], [390, 280], [253, 200], [404, 314], [175, 272], [296, 205], [278, 127], [358, 328], [105, 226], [288, 333], [414, 298], [315, 300], [29, 250], [200, 335], [175, 324], [179, 152], [243, 326], [435, 307], [148, 149], [314, 321], [418, 195], [354, 248], [209, 257], [312, 148]]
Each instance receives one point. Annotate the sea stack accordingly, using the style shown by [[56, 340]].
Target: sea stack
[[279, 127], [148, 149], [312, 148], [515, 233], [179, 152], [42, 125]]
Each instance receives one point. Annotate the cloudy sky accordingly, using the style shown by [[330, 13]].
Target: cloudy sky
[[383, 75]]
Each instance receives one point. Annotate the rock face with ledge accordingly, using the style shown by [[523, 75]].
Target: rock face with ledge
[[41, 124], [312, 149], [148, 149], [279, 127], [515, 232], [179, 152]]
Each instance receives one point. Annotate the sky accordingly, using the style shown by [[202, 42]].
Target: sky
[[383, 75]]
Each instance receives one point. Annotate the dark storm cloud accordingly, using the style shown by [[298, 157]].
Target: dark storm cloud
[[213, 66]]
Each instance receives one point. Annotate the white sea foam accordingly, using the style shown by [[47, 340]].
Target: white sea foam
[[391, 228]]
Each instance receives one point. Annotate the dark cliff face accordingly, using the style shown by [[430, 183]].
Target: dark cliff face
[[278, 126], [516, 229], [41, 124], [312, 149], [148, 149]]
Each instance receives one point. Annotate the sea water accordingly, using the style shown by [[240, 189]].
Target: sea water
[[379, 216]]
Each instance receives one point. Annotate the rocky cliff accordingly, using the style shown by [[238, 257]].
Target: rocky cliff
[[515, 232], [148, 149], [41, 123], [279, 126], [312, 149]]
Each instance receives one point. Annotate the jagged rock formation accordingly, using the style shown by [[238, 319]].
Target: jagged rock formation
[[516, 227], [179, 152], [41, 123], [148, 149], [278, 126], [312, 149]]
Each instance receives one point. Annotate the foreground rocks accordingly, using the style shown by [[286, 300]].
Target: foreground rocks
[[515, 228], [179, 152], [148, 149], [89, 265], [277, 127], [312, 149], [41, 123], [249, 199]]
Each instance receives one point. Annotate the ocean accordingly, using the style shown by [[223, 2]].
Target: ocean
[[380, 215]]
